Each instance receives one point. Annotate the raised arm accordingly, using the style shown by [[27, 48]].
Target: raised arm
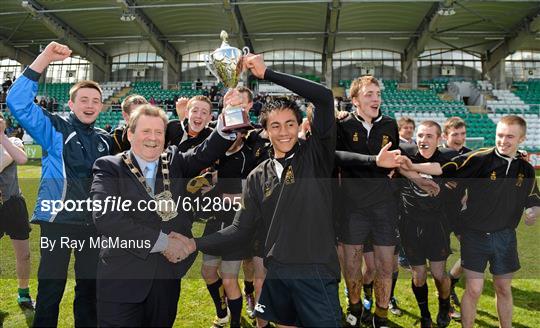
[[386, 158], [320, 96], [35, 120]]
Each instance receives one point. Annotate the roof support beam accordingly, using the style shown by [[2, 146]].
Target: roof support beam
[[417, 44], [521, 32], [330, 34], [238, 24], [332, 20], [163, 47], [66, 34], [23, 56]]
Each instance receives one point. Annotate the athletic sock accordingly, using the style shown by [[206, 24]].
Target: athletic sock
[[421, 294], [218, 297], [248, 287], [24, 292], [368, 291], [394, 281], [236, 311], [444, 304], [355, 309]]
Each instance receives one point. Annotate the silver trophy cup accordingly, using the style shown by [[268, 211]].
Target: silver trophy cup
[[225, 63]]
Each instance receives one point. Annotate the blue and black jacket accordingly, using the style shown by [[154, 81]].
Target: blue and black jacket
[[70, 148]]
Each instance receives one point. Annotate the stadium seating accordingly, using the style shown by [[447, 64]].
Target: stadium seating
[[59, 91], [153, 89], [110, 88], [506, 102]]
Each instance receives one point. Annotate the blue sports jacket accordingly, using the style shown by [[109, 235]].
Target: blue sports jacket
[[70, 148]]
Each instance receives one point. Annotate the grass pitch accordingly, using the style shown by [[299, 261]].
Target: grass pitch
[[195, 308]]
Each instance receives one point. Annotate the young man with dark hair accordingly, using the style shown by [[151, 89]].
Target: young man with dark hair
[[500, 185], [423, 227], [455, 134], [72, 145], [301, 286], [119, 135]]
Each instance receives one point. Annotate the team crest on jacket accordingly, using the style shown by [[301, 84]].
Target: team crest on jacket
[[289, 176], [385, 140], [355, 137], [493, 176], [519, 182], [101, 147], [267, 189]]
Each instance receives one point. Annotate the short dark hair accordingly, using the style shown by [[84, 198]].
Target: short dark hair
[[430, 123], [84, 84], [277, 104], [246, 91], [454, 122], [133, 99]]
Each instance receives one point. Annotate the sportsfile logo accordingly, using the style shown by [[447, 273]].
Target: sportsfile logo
[[119, 204]]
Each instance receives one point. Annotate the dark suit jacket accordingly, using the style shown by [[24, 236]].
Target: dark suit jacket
[[126, 274]]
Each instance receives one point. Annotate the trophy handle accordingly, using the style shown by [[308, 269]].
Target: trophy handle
[[245, 51], [209, 66]]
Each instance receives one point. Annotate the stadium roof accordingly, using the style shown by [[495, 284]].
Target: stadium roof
[[97, 29]]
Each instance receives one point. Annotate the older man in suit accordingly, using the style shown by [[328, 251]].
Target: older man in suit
[[143, 255]]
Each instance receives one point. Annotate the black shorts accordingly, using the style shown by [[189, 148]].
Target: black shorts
[[424, 241], [245, 252], [498, 248], [14, 219], [303, 295], [378, 221], [368, 247]]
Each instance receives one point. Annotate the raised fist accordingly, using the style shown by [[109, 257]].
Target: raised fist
[[55, 51], [181, 107], [255, 64]]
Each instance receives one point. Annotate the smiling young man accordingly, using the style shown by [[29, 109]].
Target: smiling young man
[[71, 145], [192, 131], [288, 197], [370, 201], [500, 185], [423, 227]]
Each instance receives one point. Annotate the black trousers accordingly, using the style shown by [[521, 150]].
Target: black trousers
[[157, 310], [53, 272]]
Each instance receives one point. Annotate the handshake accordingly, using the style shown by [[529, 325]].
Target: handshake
[[178, 247]]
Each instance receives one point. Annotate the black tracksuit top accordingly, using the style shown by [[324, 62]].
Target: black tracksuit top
[[295, 209]]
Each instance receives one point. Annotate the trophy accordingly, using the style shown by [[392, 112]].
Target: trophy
[[225, 63]]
